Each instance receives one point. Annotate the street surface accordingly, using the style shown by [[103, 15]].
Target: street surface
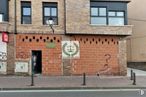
[[75, 93]]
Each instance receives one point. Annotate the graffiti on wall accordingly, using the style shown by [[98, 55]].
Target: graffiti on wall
[[22, 55], [3, 56], [107, 58], [106, 68]]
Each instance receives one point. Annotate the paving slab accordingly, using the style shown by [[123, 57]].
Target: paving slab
[[72, 82]]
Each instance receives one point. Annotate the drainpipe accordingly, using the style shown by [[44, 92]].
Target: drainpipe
[[15, 19], [15, 32], [65, 16]]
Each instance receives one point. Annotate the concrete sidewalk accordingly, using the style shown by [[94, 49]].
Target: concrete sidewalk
[[138, 72], [71, 82], [62, 82]]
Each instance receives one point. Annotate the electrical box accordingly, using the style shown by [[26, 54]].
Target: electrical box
[[21, 67]]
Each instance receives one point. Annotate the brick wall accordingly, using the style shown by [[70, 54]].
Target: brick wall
[[95, 52], [77, 19], [51, 57], [11, 54], [37, 17]]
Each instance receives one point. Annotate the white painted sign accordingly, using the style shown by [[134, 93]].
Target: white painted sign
[[3, 67], [70, 49], [21, 67], [3, 49]]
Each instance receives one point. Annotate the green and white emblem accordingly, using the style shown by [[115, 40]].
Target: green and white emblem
[[70, 49]]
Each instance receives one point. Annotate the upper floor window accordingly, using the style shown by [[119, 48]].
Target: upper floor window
[[116, 18], [1, 17], [50, 11], [108, 13], [98, 15], [25, 12]]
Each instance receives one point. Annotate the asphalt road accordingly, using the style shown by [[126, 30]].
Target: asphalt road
[[74, 93]]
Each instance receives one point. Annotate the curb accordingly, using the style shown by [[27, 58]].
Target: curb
[[69, 88]]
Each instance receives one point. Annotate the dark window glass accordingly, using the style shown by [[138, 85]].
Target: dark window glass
[[116, 18], [25, 12], [50, 11], [98, 15]]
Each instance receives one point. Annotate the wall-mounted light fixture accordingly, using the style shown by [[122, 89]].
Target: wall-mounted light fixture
[[50, 22]]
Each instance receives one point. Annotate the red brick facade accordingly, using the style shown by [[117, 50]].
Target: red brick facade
[[51, 57], [95, 52]]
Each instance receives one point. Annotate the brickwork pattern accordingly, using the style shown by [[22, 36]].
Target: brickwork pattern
[[37, 17], [4, 26], [94, 50], [11, 54], [122, 57], [51, 57], [95, 53], [78, 21]]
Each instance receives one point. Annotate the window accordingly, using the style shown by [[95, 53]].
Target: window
[[25, 12], [108, 13], [116, 18], [50, 11], [98, 15], [1, 17]]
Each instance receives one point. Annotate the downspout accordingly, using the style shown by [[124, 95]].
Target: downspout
[[15, 19], [7, 11], [65, 16], [15, 32]]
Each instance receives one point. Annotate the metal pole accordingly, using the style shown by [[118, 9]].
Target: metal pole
[[32, 78], [131, 77], [134, 79], [51, 26], [65, 16], [84, 79], [32, 70]]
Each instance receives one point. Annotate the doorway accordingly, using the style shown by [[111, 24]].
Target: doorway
[[38, 66]]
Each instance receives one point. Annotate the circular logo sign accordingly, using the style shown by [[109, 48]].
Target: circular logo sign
[[70, 48]]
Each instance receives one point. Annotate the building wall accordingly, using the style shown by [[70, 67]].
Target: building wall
[[3, 55], [3, 28], [51, 57], [37, 16], [101, 47], [95, 52], [136, 43], [78, 19]]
